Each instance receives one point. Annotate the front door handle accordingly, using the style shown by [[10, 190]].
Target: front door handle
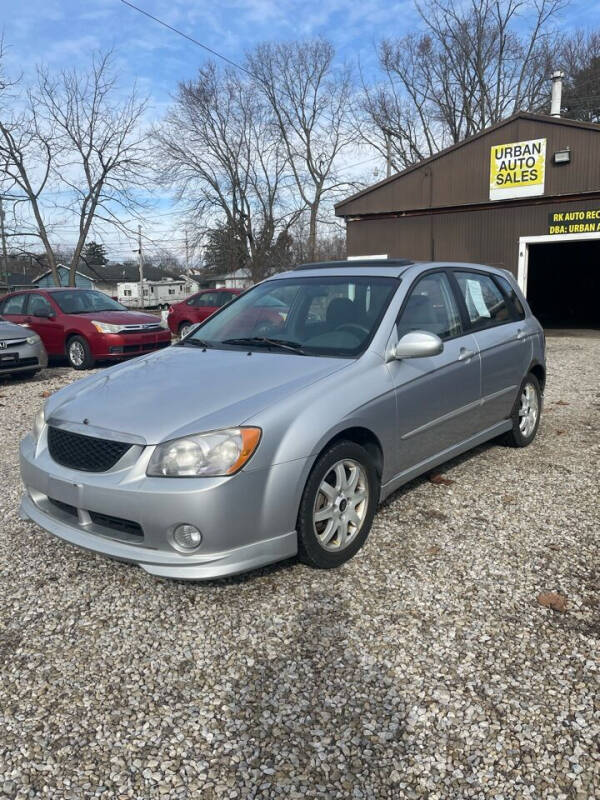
[[464, 354], [520, 334]]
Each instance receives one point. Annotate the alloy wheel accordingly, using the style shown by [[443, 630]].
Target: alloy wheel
[[76, 353], [341, 505], [529, 410]]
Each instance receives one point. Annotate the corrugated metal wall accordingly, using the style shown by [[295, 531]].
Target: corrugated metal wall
[[488, 236]]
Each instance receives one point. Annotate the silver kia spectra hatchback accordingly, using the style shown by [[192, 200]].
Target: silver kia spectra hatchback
[[276, 426]]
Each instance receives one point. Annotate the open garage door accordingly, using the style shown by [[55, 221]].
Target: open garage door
[[563, 283]]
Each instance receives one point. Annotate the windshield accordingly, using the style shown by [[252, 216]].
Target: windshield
[[335, 316], [80, 301]]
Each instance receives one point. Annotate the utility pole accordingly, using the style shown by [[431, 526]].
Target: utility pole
[[388, 152], [187, 252], [141, 265], [3, 237]]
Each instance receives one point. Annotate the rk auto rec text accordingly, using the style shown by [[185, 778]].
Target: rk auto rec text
[[574, 221]]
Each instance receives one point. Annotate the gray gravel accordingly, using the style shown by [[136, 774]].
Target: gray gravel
[[423, 668]]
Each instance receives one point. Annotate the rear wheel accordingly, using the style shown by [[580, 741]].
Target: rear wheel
[[337, 507], [526, 413], [79, 353]]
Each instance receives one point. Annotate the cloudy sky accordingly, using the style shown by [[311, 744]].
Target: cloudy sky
[[63, 33]]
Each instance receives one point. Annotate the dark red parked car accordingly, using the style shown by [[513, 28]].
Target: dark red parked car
[[197, 308], [84, 325]]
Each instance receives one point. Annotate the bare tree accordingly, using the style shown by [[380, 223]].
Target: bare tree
[[77, 139], [581, 64], [311, 103], [471, 67], [218, 147]]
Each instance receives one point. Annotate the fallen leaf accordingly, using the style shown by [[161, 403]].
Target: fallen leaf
[[509, 498], [553, 600], [440, 480], [433, 551], [560, 433], [45, 394], [561, 403]]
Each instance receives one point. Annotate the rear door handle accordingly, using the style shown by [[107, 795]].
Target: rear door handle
[[464, 354]]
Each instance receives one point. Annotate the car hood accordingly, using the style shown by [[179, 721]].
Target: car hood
[[120, 317], [183, 390], [8, 330]]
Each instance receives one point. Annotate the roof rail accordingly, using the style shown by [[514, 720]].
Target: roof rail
[[357, 262]]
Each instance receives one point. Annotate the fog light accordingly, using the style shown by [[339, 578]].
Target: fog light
[[186, 537]]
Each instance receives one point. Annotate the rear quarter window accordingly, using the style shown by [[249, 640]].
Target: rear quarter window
[[513, 297], [15, 304]]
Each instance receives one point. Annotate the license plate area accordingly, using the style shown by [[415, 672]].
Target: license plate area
[[65, 491], [4, 357]]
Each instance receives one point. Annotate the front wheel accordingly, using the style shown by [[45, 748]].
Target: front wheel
[[338, 506], [184, 329], [79, 353], [526, 413]]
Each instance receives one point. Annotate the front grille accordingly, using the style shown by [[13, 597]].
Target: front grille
[[86, 453], [18, 362], [116, 523], [105, 520], [65, 507]]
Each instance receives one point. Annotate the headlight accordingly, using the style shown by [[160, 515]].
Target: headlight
[[38, 425], [106, 327], [33, 339], [215, 453]]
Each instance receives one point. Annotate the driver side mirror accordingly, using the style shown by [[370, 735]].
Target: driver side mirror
[[418, 344], [44, 314]]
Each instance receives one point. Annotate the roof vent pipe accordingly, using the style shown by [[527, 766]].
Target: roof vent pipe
[[556, 93]]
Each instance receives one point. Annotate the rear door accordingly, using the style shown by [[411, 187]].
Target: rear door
[[438, 396], [42, 318], [503, 340]]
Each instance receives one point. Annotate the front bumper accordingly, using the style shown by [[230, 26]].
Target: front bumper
[[120, 345], [247, 520], [23, 358]]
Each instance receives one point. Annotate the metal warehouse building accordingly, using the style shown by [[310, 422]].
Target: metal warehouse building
[[523, 195]]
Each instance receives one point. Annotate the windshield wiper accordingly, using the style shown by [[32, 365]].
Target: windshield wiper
[[265, 341]]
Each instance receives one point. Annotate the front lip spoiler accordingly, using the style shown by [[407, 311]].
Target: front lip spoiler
[[165, 564]]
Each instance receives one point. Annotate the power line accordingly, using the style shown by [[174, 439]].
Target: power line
[[190, 38]]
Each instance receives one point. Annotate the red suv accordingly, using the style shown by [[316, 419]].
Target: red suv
[[85, 325], [197, 308]]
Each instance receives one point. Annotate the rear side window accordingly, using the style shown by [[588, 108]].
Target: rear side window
[[513, 297], [14, 304], [486, 305], [206, 300]]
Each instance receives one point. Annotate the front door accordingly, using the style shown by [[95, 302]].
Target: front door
[[503, 340], [438, 396], [42, 318]]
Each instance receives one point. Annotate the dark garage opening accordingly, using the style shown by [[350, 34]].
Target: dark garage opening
[[563, 284]]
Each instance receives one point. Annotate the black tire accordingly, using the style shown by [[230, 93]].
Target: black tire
[[79, 354], [310, 549], [517, 437]]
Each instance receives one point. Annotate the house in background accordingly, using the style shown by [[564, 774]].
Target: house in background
[[240, 279], [81, 280]]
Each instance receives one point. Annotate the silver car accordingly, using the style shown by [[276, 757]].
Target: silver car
[[276, 426], [21, 351]]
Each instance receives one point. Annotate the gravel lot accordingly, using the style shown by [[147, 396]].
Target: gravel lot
[[423, 668]]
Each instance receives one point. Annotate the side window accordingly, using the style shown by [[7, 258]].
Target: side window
[[205, 300], [485, 302], [224, 298], [431, 307], [40, 306], [513, 297], [15, 304]]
